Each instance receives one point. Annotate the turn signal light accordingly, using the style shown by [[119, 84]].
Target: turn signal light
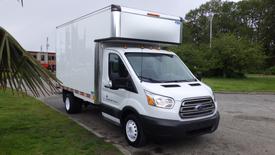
[[150, 100]]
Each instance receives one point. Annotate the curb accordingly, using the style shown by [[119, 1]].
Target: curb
[[119, 147], [245, 93]]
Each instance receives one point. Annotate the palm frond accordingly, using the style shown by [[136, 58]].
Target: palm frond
[[20, 71]]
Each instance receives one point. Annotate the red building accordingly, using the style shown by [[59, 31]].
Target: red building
[[46, 59]]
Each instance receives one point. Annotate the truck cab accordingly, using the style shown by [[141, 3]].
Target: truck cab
[[158, 89]]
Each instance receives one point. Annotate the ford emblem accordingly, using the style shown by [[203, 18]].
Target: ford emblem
[[199, 107]]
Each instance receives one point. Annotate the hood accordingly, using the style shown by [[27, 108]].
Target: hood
[[178, 91]]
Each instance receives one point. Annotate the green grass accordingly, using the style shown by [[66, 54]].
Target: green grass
[[27, 126], [253, 83]]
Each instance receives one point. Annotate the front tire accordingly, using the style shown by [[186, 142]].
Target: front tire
[[72, 104], [133, 131]]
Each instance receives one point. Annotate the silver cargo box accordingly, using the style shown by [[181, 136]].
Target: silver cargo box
[[126, 24]]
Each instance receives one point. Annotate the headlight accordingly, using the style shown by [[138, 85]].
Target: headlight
[[159, 101]]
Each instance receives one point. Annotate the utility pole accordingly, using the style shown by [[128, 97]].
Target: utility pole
[[210, 17], [47, 44]]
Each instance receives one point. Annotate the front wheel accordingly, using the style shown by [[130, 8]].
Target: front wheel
[[133, 131]]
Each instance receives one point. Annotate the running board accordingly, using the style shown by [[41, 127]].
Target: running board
[[110, 118]]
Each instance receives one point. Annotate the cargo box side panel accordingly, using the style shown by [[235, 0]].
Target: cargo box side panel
[[76, 50], [150, 28]]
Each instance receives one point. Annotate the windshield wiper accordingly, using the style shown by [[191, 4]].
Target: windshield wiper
[[190, 80], [150, 79], [175, 81]]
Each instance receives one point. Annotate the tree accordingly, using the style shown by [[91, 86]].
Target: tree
[[267, 29], [231, 56], [193, 56], [251, 19], [20, 71], [224, 20]]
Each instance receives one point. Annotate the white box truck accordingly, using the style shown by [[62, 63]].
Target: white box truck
[[114, 58]]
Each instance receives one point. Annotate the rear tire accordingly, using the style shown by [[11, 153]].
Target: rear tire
[[64, 93], [133, 131], [72, 104]]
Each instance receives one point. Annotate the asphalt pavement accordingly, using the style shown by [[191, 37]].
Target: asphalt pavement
[[247, 126]]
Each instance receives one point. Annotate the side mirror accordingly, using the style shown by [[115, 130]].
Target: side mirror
[[109, 84], [121, 82]]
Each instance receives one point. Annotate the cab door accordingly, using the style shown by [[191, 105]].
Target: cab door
[[115, 83]]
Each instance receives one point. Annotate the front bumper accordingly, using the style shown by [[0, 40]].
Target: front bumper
[[170, 128]]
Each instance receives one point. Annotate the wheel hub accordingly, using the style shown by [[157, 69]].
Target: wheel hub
[[67, 104], [131, 130]]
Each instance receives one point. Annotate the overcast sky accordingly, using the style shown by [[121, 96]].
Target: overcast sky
[[37, 20]]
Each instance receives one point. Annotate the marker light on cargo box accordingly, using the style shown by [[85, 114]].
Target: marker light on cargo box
[[153, 14]]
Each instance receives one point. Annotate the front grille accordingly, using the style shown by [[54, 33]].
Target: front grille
[[198, 107]]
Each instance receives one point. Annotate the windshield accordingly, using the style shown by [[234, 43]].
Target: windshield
[[158, 68]]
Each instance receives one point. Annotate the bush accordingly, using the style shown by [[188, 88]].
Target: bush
[[233, 57], [270, 71], [229, 57], [192, 56]]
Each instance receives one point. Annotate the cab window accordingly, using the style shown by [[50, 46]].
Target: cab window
[[119, 75], [116, 67]]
